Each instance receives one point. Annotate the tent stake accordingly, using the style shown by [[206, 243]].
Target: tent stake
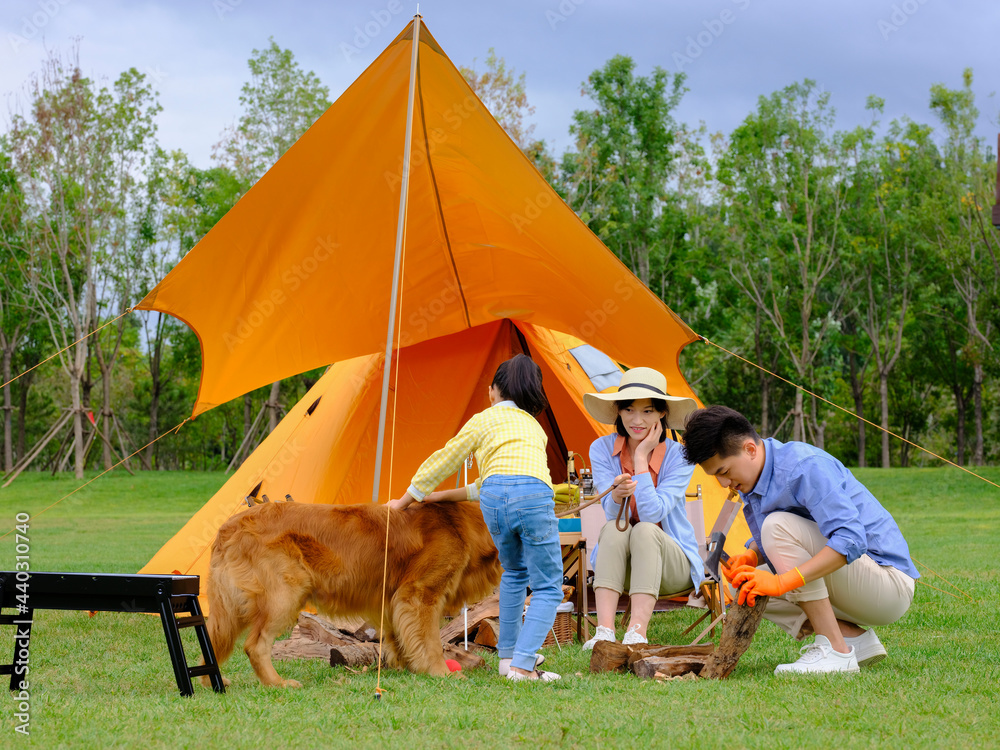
[[400, 229]]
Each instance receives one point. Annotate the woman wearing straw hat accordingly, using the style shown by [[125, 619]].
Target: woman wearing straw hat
[[656, 554]]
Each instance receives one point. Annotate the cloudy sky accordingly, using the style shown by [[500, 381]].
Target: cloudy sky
[[731, 50]]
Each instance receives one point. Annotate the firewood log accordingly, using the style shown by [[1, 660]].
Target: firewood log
[[354, 655], [488, 633], [468, 659], [455, 630], [668, 666], [737, 634]]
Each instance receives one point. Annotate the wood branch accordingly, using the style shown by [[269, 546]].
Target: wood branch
[[320, 630], [488, 607], [298, 647], [354, 655], [488, 633], [668, 666], [649, 650], [468, 659], [610, 656], [737, 634]]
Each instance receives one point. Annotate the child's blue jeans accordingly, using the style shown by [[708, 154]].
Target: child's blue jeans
[[520, 515]]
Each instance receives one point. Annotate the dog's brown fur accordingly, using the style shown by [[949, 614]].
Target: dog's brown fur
[[272, 560]]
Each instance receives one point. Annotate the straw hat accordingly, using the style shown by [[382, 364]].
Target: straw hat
[[639, 382]]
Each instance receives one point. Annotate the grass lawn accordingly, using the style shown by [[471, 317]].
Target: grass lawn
[[106, 681]]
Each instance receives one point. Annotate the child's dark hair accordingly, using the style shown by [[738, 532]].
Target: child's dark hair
[[715, 431], [658, 403], [519, 380]]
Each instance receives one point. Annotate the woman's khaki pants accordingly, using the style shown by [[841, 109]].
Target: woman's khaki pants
[[642, 559]]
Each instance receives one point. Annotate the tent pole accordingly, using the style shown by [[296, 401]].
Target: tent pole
[[400, 229]]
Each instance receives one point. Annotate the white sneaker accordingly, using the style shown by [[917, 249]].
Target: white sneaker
[[505, 664], [601, 634], [818, 658], [867, 647], [536, 676], [632, 637]]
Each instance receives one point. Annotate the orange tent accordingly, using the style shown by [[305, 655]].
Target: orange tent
[[298, 274]]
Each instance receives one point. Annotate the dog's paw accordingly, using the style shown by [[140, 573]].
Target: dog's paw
[[291, 684]]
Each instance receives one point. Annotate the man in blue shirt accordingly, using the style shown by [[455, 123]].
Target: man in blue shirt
[[829, 554]]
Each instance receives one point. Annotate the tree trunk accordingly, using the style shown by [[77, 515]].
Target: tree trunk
[[247, 414], [765, 379], [22, 412], [106, 414], [977, 413], [960, 423], [8, 414], [273, 406], [798, 427], [858, 391], [642, 261], [74, 387], [883, 394]]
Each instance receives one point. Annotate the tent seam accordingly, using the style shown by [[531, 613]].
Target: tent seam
[[437, 196]]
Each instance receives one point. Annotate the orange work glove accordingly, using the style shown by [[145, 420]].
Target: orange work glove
[[748, 558], [753, 583]]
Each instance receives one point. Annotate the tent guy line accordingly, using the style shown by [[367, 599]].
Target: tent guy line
[[849, 412]]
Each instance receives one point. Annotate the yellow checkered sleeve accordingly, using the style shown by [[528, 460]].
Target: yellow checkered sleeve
[[506, 441]]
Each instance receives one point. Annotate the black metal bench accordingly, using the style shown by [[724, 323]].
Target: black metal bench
[[174, 598]]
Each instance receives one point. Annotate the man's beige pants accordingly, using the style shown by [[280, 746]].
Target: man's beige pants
[[863, 592]]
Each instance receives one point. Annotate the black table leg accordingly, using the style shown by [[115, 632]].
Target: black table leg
[[175, 646]]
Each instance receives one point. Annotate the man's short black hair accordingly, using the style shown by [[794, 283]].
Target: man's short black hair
[[715, 431]]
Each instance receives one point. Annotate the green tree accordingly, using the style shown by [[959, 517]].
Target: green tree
[[279, 103], [504, 94], [626, 153], [783, 190], [969, 245], [74, 151]]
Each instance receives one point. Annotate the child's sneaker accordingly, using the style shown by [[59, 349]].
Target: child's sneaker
[[632, 637], [601, 634], [867, 647], [537, 675], [505, 664]]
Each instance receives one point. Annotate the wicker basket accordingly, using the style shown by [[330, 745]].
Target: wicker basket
[[563, 626]]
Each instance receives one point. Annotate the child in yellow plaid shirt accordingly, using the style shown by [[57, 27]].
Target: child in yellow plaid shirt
[[515, 495]]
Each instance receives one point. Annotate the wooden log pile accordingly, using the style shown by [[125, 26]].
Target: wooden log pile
[[484, 623], [668, 662], [315, 637]]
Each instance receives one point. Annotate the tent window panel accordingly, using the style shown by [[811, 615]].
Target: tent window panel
[[600, 368]]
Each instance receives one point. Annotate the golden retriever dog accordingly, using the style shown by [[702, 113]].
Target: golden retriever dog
[[273, 559]]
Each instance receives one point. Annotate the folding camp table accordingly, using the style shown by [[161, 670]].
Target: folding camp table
[[165, 595]]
